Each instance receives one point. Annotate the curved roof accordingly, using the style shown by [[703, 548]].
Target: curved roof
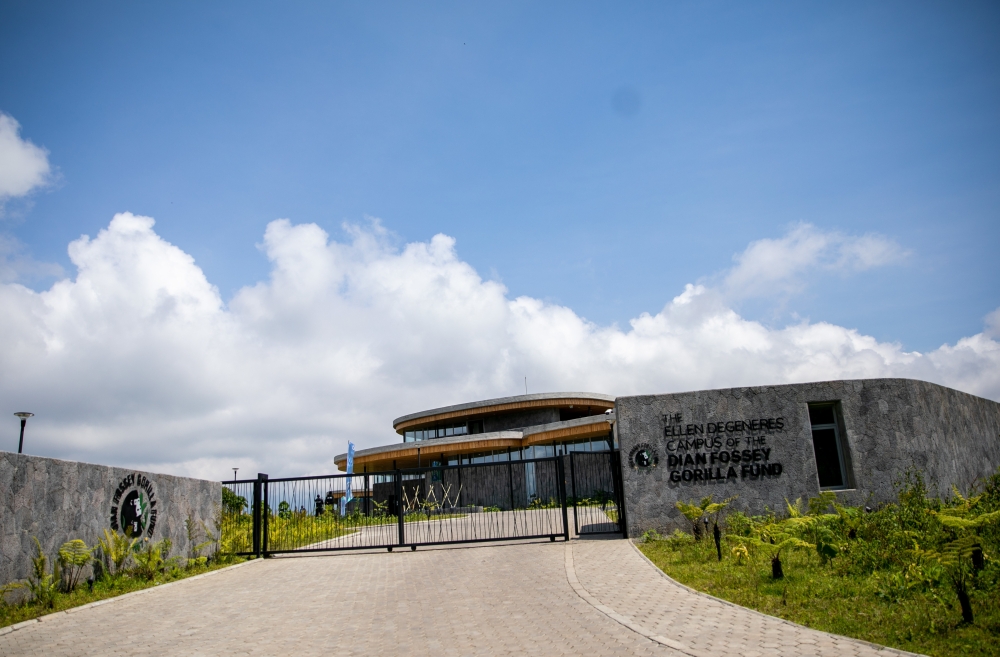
[[502, 404], [405, 455]]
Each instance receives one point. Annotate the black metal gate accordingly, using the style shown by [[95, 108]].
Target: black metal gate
[[423, 506], [596, 493]]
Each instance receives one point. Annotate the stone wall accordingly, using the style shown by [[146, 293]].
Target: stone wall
[[57, 501], [891, 425]]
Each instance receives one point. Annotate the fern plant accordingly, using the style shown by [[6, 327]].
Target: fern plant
[[42, 584], [115, 550], [74, 556], [772, 540], [151, 558], [694, 512]]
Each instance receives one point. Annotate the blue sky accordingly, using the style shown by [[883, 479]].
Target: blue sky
[[504, 126], [592, 157]]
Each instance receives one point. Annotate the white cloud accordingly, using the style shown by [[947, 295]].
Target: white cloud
[[784, 265], [23, 166], [139, 361], [16, 264]]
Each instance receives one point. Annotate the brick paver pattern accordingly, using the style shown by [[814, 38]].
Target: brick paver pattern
[[602, 598]]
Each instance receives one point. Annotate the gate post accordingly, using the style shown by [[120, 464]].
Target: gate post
[[561, 474], [265, 514], [399, 507], [256, 517], [572, 483], [618, 481], [368, 498]]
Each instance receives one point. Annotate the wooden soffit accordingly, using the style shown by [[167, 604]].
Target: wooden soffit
[[430, 449], [468, 413], [578, 432]]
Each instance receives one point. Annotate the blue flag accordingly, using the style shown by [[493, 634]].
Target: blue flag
[[350, 470]]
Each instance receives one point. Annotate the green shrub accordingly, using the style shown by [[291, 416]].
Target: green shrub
[[73, 558]]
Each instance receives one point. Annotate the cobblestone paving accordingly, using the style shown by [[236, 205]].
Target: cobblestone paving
[[600, 598]]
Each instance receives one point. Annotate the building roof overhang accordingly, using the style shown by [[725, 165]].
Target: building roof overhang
[[405, 455], [473, 410]]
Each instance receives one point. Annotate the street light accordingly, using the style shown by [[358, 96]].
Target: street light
[[234, 474], [24, 420]]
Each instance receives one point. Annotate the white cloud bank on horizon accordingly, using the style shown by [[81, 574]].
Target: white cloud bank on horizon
[[139, 362], [24, 167]]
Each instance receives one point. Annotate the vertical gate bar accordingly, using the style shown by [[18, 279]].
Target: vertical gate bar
[[572, 480], [510, 478], [561, 474], [399, 507], [264, 514], [458, 500], [256, 517], [368, 498]]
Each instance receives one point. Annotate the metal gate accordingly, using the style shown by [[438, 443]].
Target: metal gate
[[596, 493], [423, 506]]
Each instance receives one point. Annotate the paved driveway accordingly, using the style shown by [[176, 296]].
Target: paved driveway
[[585, 597]]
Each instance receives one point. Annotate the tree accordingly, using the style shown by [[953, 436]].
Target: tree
[[772, 540], [959, 556], [694, 512], [715, 509], [232, 503]]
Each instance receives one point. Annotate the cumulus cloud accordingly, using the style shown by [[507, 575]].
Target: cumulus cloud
[[24, 166], [139, 361], [784, 265]]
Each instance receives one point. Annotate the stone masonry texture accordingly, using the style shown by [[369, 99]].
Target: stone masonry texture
[[891, 426], [57, 501]]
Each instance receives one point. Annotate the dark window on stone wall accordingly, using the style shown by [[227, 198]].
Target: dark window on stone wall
[[829, 446]]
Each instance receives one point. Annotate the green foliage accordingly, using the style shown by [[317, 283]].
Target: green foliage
[[232, 503], [115, 549], [921, 573], [43, 584], [74, 556], [539, 503], [651, 536], [104, 588], [194, 530], [151, 558]]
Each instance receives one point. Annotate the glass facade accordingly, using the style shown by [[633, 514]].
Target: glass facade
[[443, 431], [532, 452]]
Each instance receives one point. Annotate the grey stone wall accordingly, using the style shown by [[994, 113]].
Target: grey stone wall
[[891, 425], [57, 501]]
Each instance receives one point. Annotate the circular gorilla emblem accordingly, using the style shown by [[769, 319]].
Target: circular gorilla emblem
[[133, 510], [643, 456]]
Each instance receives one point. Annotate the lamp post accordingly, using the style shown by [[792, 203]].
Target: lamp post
[[234, 474], [24, 420]]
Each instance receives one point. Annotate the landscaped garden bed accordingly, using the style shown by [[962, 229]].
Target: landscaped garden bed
[[922, 574]]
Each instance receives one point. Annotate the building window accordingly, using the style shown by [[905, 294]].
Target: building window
[[437, 432], [832, 457]]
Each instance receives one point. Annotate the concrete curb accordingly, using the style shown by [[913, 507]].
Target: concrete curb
[[612, 614], [51, 617], [886, 649]]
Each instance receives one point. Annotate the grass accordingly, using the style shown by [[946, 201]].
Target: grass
[[107, 588], [891, 575], [299, 530], [863, 607]]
